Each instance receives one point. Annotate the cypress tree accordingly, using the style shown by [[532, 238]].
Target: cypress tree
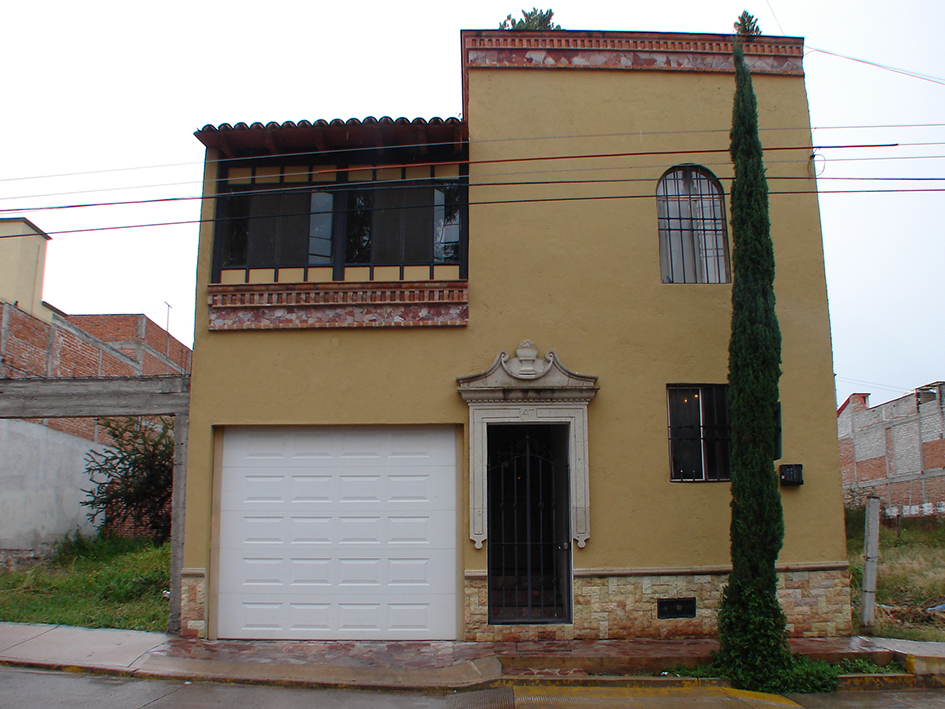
[[752, 635]]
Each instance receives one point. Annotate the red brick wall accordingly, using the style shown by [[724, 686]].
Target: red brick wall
[[872, 469], [847, 469], [109, 328], [141, 338], [934, 452], [78, 346], [24, 345]]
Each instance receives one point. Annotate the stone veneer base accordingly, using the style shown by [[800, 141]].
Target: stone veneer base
[[816, 603], [193, 603], [622, 607]]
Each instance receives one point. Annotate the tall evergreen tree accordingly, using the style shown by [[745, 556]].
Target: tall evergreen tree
[[751, 623]]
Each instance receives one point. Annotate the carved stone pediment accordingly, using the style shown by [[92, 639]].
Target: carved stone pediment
[[526, 376], [520, 390]]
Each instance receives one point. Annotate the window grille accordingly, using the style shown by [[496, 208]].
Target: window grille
[[693, 238], [292, 225], [699, 434]]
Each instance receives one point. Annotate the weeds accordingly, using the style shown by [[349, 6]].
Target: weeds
[[95, 582], [910, 574], [806, 676]]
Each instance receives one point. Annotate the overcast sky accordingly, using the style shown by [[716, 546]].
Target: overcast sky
[[102, 99]]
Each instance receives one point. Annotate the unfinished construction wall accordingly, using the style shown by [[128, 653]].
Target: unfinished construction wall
[[896, 451], [42, 479]]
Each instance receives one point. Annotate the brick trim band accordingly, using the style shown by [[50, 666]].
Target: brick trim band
[[268, 306]]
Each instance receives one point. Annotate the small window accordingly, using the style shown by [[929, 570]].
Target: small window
[[699, 437], [693, 239]]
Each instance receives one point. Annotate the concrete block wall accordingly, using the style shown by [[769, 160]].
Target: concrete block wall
[[42, 483], [895, 450]]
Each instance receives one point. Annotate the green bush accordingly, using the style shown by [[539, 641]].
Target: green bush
[[805, 676], [132, 480]]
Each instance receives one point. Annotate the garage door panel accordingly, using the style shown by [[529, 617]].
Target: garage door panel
[[353, 572], [278, 447], [255, 488], [400, 617], [338, 533], [253, 531]]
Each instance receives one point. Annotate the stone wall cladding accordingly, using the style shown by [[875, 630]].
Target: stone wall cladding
[[816, 603], [193, 604], [307, 305]]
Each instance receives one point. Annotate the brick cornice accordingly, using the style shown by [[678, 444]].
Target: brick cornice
[[633, 51]]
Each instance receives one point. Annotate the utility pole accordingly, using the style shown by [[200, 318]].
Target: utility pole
[[870, 557]]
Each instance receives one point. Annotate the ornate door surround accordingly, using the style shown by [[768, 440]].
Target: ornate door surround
[[528, 389]]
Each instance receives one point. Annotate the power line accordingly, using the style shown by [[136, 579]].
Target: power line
[[492, 202], [428, 182], [887, 387], [336, 170], [904, 72], [493, 140]]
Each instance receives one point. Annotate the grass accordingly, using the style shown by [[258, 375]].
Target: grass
[[805, 677], [101, 582], [910, 575]]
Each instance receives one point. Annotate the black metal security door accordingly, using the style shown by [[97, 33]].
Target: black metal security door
[[529, 524]]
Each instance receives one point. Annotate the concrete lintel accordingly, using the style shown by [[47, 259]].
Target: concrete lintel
[[108, 396]]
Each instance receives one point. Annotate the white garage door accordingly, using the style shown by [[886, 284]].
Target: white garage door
[[338, 533]]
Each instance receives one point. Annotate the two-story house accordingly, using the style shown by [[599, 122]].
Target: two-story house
[[466, 378]]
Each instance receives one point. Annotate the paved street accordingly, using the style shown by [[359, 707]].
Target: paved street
[[34, 689], [915, 699], [39, 689]]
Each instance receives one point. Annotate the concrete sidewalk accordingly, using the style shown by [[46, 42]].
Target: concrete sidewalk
[[426, 666]]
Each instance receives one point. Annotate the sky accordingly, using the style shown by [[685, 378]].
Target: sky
[[102, 100]]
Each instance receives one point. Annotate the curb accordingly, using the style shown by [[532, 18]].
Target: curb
[[845, 683]]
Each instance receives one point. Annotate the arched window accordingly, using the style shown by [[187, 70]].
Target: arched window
[[693, 240]]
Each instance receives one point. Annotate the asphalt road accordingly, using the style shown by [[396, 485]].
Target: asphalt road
[[36, 689], [39, 689], [914, 699]]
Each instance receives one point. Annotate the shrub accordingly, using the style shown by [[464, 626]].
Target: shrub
[[133, 479]]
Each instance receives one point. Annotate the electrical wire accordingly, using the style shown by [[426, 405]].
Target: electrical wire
[[904, 72], [422, 184], [328, 171], [481, 203], [628, 134]]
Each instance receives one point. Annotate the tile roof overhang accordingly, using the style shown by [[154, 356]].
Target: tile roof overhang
[[419, 136]]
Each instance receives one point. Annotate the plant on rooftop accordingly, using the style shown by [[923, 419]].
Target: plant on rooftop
[[752, 636], [747, 25], [531, 20], [133, 479]]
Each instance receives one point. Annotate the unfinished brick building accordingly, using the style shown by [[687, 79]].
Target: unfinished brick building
[[896, 451], [43, 460]]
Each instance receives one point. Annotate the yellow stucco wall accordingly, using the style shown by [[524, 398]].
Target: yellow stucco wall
[[23, 266], [582, 278]]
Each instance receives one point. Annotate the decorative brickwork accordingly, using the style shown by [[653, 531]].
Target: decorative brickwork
[[816, 602], [193, 603], [640, 51], [327, 305]]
